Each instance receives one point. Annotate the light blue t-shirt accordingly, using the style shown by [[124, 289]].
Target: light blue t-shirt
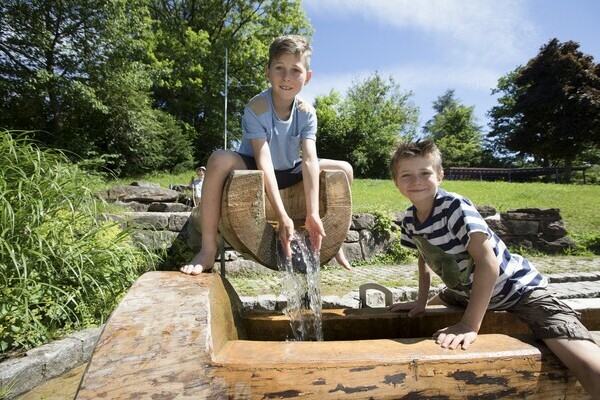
[[283, 137]]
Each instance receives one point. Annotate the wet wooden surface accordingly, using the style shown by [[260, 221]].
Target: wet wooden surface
[[496, 366], [175, 336], [155, 342], [379, 323]]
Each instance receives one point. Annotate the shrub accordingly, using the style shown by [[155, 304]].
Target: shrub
[[62, 267], [587, 244]]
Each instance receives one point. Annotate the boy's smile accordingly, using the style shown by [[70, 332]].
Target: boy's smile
[[418, 181], [287, 75]]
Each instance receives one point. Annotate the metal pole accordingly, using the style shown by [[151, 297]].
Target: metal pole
[[225, 113]]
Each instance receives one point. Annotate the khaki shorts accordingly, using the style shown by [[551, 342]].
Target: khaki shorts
[[544, 314]]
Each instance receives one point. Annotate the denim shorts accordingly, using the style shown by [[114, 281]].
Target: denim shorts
[[546, 316], [285, 178]]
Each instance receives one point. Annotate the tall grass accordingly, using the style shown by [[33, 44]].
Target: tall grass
[[61, 267]]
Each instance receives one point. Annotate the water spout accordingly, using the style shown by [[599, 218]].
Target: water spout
[[301, 285]]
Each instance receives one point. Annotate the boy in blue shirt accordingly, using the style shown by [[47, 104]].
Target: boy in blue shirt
[[480, 273], [277, 127]]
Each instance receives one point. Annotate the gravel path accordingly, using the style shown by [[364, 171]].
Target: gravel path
[[337, 281]]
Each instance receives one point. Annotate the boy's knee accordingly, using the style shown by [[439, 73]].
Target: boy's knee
[[223, 160], [348, 170]]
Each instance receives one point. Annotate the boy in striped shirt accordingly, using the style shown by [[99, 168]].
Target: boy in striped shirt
[[479, 272]]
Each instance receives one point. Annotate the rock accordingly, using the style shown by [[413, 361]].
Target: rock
[[142, 194]]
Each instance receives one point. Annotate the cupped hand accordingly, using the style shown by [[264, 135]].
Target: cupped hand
[[316, 232], [286, 233], [455, 336]]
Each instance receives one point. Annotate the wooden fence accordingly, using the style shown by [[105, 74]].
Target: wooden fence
[[507, 174]]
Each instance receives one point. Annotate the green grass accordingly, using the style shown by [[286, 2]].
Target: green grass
[[578, 204]]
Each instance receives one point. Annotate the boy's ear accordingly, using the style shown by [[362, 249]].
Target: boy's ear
[[308, 76], [267, 71], [441, 176]]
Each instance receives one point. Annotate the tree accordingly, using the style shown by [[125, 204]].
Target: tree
[[78, 74], [551, 107], [503, 121], [454, 129], [192, 37], [363, 127]]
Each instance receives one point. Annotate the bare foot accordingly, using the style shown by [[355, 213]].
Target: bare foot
[[202, 262], [340, 257]]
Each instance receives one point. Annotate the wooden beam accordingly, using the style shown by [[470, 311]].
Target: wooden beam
[[178, 336]]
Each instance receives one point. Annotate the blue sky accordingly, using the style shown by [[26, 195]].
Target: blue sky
[[429, 46]]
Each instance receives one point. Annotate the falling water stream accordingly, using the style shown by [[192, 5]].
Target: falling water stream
[[301, 285]]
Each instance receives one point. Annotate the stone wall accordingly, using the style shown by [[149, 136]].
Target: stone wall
[[160, 220]]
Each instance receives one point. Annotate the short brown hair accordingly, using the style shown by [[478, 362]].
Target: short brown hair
[[420, 148], [291, 44]]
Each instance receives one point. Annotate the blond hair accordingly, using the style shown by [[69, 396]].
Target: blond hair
[[420, 148], [291, 44]]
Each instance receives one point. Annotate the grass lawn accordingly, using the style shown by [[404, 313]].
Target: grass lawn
[[578, 204]]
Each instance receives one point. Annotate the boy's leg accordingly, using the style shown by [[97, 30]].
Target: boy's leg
[[436, 301], [582, 357], [220, 164], [325, 163], [558, 325], [341, 259]]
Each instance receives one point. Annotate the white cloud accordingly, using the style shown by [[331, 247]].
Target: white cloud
[[477, 30], [469, 45], [417, 78], [473, 77]]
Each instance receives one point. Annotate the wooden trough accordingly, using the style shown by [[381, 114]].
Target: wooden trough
[[248, 222], [179, 337]]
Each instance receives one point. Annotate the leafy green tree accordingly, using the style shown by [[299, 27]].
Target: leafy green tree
[[503, 121], [454, 129], [363, 127], [191, 39], [78, 74], [332, 131], [550, 109]]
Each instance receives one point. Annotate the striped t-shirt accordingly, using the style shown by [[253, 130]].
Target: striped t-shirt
[[442, 240]]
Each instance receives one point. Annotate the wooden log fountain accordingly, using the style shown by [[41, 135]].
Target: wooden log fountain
[[249, 225], [248, 222], [176, 336]]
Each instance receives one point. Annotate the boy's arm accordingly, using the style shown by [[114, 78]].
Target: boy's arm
[[484, 280], [310, 178], [262, 155], [416, 307], [424, 282]]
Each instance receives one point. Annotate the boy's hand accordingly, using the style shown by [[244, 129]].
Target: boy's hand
[[316, 232], [455, 335], [286, 233], [414, 308]]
